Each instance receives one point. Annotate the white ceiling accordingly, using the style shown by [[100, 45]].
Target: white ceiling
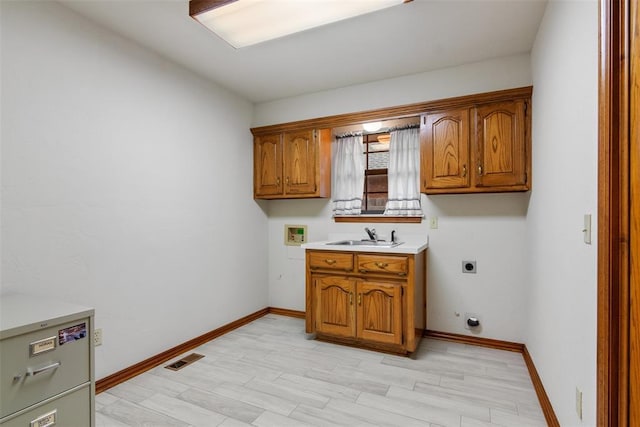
[[406, 39]]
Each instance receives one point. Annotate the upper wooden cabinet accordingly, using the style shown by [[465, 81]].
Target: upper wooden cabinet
[[294, 164], [479, 148], [267, 171], [445, 149], [469, 144], [500, 145]]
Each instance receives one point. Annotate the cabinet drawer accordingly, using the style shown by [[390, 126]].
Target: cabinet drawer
[[40, 364], [72, 409], [322, 260], [386, 264]]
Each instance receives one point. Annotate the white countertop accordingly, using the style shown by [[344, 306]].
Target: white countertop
[[412, 244]]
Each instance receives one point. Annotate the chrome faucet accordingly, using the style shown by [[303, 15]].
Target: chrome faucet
[[372, 234]]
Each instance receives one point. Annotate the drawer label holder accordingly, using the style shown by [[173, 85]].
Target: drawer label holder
[[42, 346], [46, 420]]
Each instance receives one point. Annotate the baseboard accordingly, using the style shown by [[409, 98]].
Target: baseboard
[[545, 403], [479, 341], [121, 376], [286, 312]]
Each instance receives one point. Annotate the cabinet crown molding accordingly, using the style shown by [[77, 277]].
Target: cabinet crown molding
[[397, 111]]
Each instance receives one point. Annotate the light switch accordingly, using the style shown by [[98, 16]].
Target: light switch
[[586, 230], [433, 222]]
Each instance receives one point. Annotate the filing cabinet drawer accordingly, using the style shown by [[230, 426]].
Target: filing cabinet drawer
[[38, 365], [324, 260], [383, 264], [68, 410]]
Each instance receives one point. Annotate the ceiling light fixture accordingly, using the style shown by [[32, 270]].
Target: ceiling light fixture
[[247, 22], [384, 139], [372, 126]]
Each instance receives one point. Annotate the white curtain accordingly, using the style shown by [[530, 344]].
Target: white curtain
[[404, 173], [347, 170]]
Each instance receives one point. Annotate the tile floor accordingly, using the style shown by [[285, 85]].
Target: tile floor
[[267, 374]]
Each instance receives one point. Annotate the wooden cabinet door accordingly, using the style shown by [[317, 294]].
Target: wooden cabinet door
[[335, 310], [267, 168], [300, 162], [444, 139], [500, 145], [379, 312]]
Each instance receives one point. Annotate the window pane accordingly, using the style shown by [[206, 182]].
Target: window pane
[[376, 197], [379, 160], [376, 202], [377, 183]]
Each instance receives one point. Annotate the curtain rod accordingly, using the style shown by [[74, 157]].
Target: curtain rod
[[379, 131]]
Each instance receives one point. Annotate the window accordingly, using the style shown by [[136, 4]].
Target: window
[[376, 151], [363, 167]]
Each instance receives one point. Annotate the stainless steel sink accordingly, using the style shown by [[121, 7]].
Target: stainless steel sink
[[371, 243]]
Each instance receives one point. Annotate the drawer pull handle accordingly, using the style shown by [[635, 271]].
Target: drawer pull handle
[[362, 270], [402, 273], [350, 298], [32, 372], [330, 261], [382, 264]]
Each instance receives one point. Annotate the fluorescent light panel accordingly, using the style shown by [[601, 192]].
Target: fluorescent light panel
[[247, 22]]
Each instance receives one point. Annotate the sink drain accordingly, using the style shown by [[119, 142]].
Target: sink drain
[[187, 360]]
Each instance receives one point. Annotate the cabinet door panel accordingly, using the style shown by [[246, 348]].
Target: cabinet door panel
[[300, 162], [268, 165], [379, 312], [501, 144], [445, 151], [335, 306]]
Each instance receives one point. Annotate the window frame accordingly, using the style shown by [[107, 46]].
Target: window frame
[[372, 172]]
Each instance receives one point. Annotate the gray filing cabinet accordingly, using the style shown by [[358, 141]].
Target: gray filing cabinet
[[46, 363]]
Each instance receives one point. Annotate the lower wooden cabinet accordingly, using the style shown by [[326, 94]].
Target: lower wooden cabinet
[[379, 312], [373, 300]]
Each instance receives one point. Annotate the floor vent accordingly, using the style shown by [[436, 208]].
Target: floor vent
[[184, 361]]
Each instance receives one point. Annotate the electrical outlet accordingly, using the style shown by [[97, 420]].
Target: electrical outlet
[[97, 337], [579, 403]]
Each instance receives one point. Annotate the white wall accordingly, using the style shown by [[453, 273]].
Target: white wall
[[124, 185], [495, 74], [561, 332], [487, 228]]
